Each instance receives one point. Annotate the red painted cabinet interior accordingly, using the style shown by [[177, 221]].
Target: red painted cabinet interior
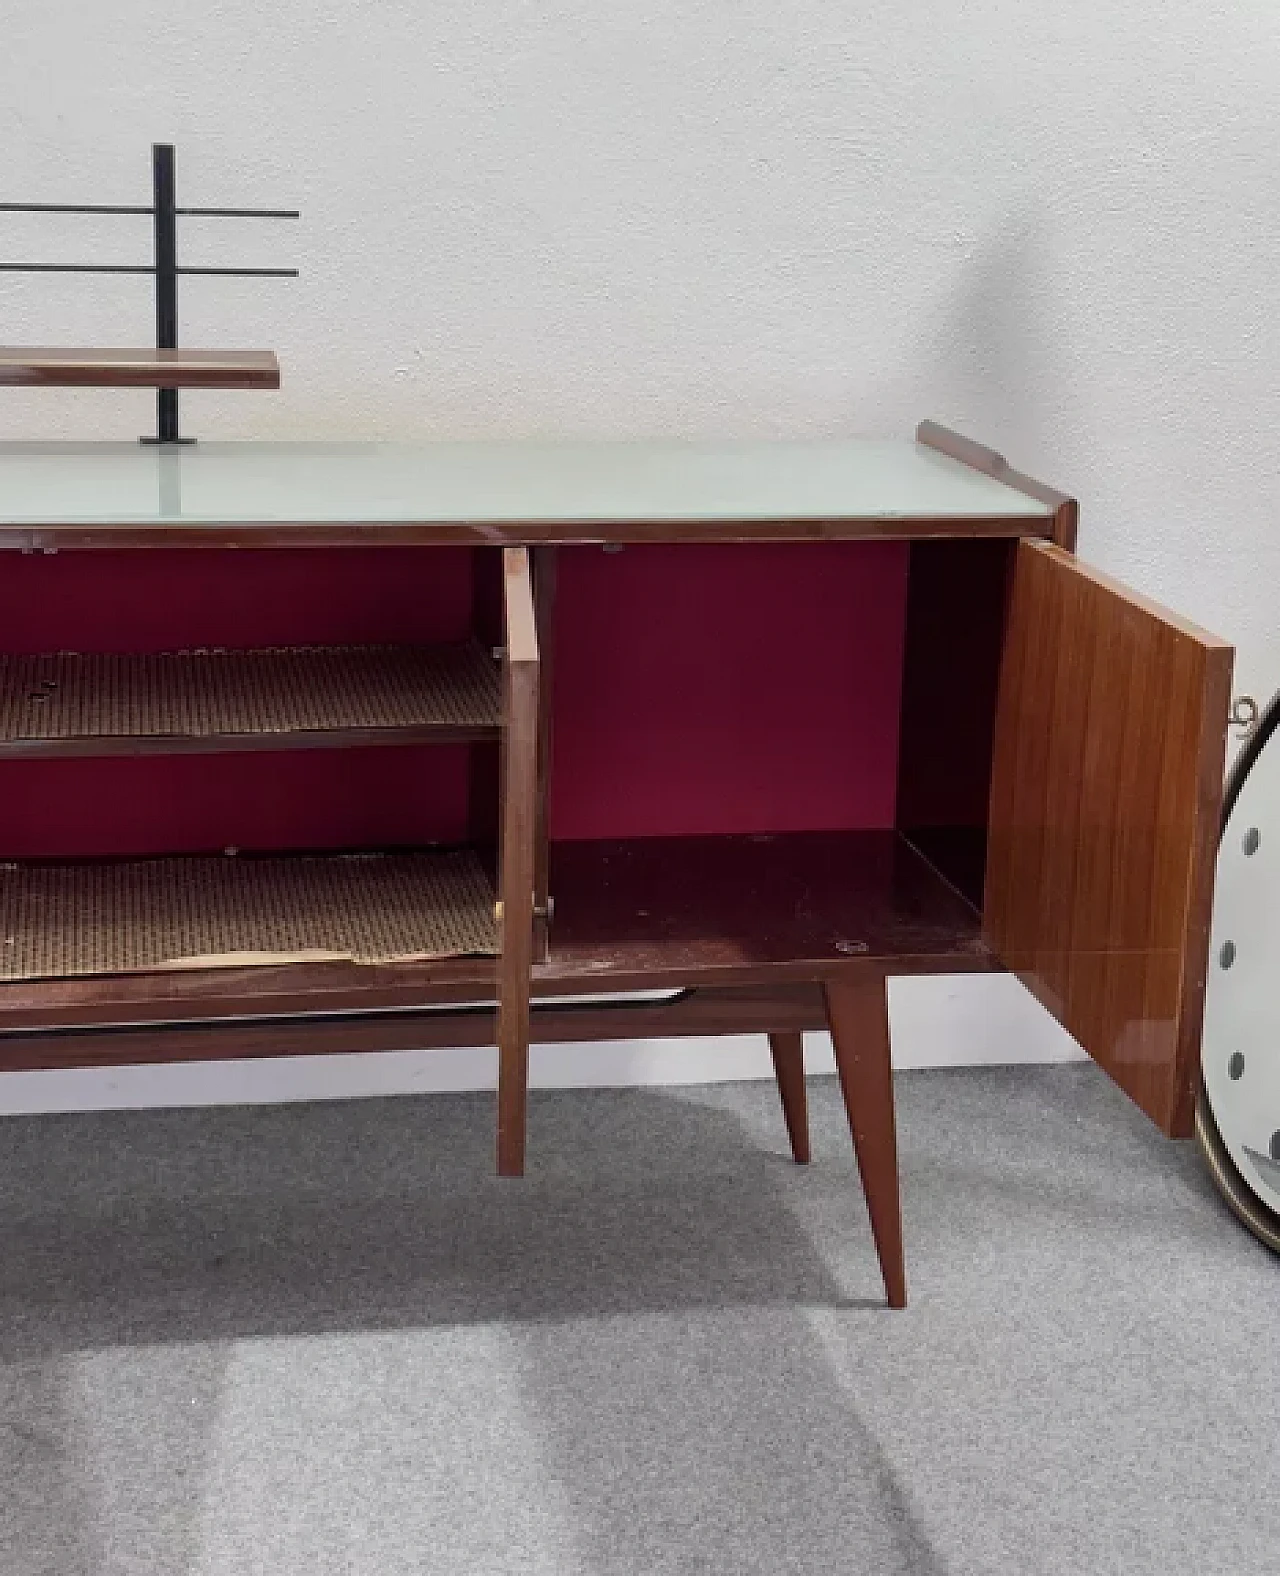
[[718, 688], [727, 688], [167, 600]]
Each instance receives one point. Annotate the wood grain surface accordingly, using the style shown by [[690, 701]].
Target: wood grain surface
[[787, 1051], [1106, 788], [858, 1016], [62, 536], [544, 564], [653, 914], [517, 857], [786, 1009], [56, 367]]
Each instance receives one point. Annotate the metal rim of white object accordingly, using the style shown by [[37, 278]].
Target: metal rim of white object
[[1240, 1084]]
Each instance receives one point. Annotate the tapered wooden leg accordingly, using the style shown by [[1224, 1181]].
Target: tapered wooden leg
[[858, 1015], [788, 1067]]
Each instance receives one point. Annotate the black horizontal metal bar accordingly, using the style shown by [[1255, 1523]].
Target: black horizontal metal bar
[[190, 213], [68, 207], [245, 273], [129, 268], [75, 268], [237, 213]]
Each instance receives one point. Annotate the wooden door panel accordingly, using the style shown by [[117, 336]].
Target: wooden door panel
[[517, 853], [1106, 788]]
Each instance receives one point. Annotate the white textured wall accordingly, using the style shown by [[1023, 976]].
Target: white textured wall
[[1053, 226]]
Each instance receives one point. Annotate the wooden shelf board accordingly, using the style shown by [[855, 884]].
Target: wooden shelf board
[[634, 915], [61, 919], [686, 910], [283, 698], [55, 367]]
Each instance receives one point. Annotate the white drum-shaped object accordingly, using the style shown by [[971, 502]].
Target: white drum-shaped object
[[1238, 1116]]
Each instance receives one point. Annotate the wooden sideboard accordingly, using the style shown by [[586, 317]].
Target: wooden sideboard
[[332, 747]]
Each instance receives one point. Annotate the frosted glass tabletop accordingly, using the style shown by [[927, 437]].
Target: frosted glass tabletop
[[498, 483]]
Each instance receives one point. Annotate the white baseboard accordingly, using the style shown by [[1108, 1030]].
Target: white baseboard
[[939, 1021]]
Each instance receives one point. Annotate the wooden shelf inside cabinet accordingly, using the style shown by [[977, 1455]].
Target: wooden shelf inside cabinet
[[63, 919], [50, 367], [275, 699], [654, 911], [634, 914]]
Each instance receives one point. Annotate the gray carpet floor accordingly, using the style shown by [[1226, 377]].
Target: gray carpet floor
[[304, 1340]]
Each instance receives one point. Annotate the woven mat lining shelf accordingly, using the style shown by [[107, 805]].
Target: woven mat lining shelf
[[206, 694], [135, 916]]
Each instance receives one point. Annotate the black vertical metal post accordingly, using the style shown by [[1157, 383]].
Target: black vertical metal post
[[165, 211], [166, 221]]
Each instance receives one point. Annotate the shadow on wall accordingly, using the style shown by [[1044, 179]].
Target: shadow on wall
[[1114, 332], [218, 1324], [998, 359]]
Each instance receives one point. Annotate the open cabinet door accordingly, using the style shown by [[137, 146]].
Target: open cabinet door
[[1106, 788], [517, 854]]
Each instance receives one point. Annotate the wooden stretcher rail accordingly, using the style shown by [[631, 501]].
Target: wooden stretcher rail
[[710, 1011]]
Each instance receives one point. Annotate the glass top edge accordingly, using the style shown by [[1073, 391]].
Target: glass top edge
[[477, 481]]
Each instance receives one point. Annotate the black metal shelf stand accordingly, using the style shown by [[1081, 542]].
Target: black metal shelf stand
[[165, 268]]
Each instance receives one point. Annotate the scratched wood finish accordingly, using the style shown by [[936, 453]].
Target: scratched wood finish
[[1106, 789], [1066, 511], [653, 914], [517, 857]]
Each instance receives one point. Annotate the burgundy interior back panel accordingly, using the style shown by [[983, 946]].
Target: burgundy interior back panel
[[727, 688], [168, 600], [203, 803], [173, 600]]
